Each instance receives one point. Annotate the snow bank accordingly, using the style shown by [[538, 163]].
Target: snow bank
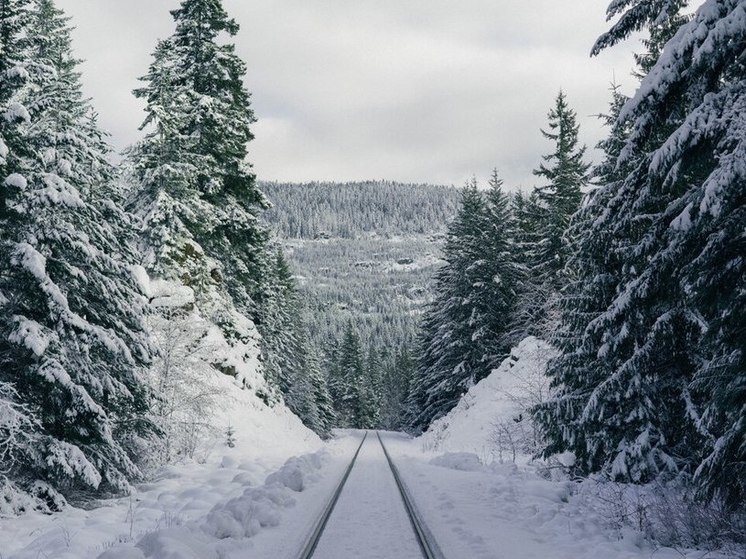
[[182, 495], [481, 511], [463, 461], [262, 506], [495, 404], [297, 472], [236, 519], [481, 504]]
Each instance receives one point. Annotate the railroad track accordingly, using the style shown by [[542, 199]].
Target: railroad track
[[429, 548], [423, 536]]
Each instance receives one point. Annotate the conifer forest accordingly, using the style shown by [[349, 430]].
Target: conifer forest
[[199, 360]]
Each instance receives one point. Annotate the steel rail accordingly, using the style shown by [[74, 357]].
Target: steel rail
[[428, 546], [313, 539]]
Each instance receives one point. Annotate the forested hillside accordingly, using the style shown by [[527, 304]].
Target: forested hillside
[[353, 210], [364, 255]]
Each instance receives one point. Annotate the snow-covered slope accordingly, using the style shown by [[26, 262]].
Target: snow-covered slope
[[264, 438], [225, 377], [228, 370], [494, 411], [482, 505]]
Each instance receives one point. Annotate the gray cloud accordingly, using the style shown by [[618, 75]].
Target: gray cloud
[[412, 90]]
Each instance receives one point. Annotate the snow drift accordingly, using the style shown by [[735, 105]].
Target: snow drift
[[492, 418]]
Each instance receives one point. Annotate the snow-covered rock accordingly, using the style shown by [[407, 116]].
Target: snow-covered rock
[[464, 461]]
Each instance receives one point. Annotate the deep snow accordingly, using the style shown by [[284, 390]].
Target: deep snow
[[477, 502], [479, 422], [180, 493]]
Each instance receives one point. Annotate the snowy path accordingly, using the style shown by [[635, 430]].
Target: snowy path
[[369, 520]]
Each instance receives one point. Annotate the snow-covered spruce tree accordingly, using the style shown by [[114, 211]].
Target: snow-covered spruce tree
[[454, 344], [346, 382], [197, 196], [592, 272], [280, 316], [308, 392], [670, 344], [555, 202], [72, 342], [289, 362], [324, 406], [396, 379], [566, 174], [369, 399], [503, 275], [527, 214], [637, 15], [301, 399], [468, 329]]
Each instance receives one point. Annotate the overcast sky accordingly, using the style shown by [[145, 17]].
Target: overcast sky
[[410, 90]]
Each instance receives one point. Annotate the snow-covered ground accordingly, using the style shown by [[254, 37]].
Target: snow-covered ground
[[262, 498], [492, 417], [505, 510], [264, 438], [482, 500], [226, 509]]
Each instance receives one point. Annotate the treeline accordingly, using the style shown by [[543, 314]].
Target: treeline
[[368, 388], [642, 288], [350, 210], [123, 289], [505, 264], [357, 280]]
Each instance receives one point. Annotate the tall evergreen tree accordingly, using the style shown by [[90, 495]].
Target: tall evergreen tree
[[469, 329], [369, 396], [301, 399], [280, 316], [197, 196], [72, 339], [669, 391], [566, 174], [327, 417], [347, 384], [454, 344], [543, 219], [503, 275], [396, 380], [527, 214], [593, 270], [308, 394]]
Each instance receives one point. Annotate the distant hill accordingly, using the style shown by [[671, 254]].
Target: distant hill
[[349, 210], [363, 252]]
